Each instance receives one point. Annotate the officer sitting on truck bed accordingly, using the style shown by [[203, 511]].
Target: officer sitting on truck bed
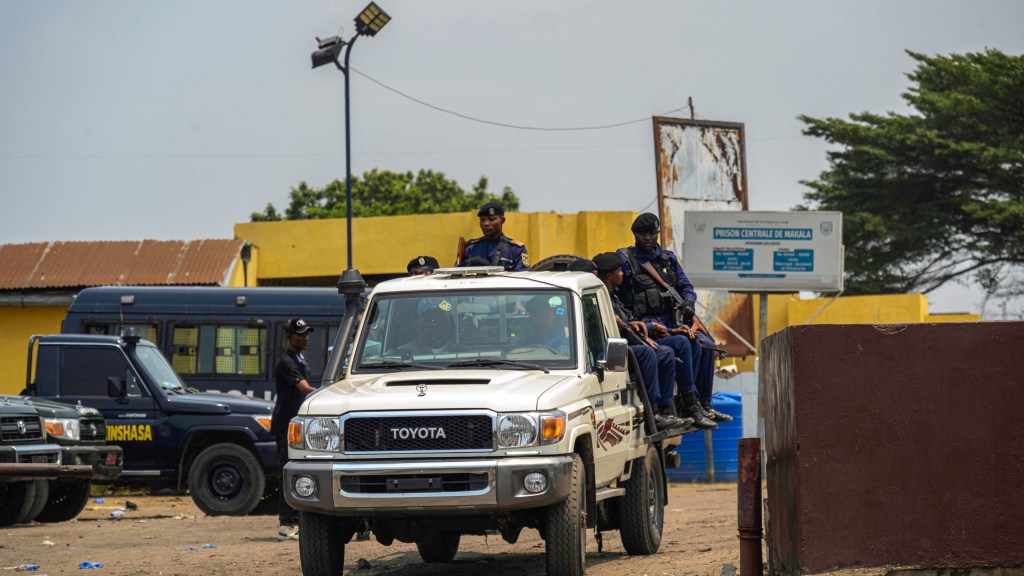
[[651, 275]]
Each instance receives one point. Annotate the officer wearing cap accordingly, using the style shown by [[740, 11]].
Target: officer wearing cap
[[291, 377], [494, 247], [422, 266], [648, 300]]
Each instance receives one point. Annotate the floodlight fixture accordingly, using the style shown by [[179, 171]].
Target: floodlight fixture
[[327, 51], [371, 20]]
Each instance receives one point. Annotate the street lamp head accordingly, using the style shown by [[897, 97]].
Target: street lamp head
[[328, 51], [371, 20]]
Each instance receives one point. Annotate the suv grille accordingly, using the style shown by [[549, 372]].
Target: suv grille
[[93, 430], [20, 429], [419, 433]]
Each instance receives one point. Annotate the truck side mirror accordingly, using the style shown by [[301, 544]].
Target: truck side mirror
[[616, 352], [117, 388]]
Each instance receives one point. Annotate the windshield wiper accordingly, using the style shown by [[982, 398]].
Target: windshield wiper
[[400, 365], [497, 362]]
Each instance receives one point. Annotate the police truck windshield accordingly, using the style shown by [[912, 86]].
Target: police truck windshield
[[416, 331], [154, 363]]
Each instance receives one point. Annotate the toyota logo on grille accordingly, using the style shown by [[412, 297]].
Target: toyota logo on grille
[[422, 389], [21, 427]]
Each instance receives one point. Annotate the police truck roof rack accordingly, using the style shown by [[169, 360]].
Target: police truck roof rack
[[469, 271]]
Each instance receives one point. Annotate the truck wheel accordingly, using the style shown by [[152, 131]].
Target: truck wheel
[[226, 479], [438, 547], [67, 498], [38, 501], [15, 501], [321, 544], [642, 508], [566, 529]]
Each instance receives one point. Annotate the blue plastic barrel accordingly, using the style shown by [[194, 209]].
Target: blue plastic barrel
[[693, 465]]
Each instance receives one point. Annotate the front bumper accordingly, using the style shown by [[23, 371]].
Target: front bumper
[[106, 462], [37, 461], [499, 491]]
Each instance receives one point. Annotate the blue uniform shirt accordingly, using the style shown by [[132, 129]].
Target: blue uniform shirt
[[513, 257], [683, 285]]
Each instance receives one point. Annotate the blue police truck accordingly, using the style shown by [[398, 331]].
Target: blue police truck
[[216, 339]]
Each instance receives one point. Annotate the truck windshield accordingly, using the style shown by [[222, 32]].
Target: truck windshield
[[154, 363], [417, 330]]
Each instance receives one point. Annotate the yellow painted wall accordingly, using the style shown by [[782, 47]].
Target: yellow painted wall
[[239, 275], [385, 244], [964, 317], [16, 325]]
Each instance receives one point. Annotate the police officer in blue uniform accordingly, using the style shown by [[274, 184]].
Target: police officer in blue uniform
[[494, 247], [659, 311]]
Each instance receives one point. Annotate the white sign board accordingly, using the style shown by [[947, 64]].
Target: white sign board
[[764, 251]]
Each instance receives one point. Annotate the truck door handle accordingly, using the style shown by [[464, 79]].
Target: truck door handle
[[599, 403], [616, 397]]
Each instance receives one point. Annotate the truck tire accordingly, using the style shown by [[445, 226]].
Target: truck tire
[[67, 498], [38, 502], [15, 501], [565, 528], [438, 547], [226, 480], [642, 508], [321, 544]]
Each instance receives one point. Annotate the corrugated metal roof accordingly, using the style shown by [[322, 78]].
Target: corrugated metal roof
[[128, 263]]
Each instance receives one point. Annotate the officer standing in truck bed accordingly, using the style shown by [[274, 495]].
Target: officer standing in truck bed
[[494, 247]]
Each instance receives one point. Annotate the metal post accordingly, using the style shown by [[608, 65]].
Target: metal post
[[762, 334], [748, 513], [709, 456]]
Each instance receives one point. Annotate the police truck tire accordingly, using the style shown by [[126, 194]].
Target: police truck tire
[[67, 498], [642, 508], [15, 501], [321, 544], [565, 529], [38, 502], [438, 547], [226, 480]]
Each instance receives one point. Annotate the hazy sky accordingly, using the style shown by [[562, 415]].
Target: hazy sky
[[175, 120]]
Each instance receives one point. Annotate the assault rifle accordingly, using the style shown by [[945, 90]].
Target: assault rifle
[[684, 308]]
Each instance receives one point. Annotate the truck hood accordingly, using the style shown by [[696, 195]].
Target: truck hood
[[497, 390], [207, 403], [51, 409]]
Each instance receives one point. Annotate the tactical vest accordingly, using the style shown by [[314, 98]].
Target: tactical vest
[[645, 295]]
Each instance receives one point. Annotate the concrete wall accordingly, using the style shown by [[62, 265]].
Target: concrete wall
[[895, 444], [384, 245], [16, 326]]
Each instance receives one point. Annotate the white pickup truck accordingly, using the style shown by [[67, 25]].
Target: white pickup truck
[[476, 400]]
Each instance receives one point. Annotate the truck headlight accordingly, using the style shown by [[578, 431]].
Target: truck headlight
[[516, 430], [64, 428], [323, 434]]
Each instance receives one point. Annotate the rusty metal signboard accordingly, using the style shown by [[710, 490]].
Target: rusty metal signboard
[[701, 165]]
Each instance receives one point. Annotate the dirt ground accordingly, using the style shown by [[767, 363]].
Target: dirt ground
[[700, 539]]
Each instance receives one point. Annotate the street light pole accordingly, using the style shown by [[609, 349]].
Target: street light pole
[[348, 153], [368, 23]]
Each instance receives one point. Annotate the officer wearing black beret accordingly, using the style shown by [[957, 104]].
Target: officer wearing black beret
[[422, 266], [494, 247]]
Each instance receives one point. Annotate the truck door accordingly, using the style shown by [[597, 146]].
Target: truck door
[[612, 414], [131, 422]]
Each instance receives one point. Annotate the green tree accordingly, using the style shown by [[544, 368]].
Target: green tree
[[385, 193], [936, 195]]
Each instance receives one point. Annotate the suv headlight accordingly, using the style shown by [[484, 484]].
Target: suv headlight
[[322, 434], [63, 428], [516, 430], [529, 429]]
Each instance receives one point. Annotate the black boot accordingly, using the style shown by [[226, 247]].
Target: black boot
[[692, 409], [715, 414], [665, 419]]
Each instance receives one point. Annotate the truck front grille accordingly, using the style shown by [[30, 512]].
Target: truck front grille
[[16, 429], [94, 430], [419, 433], [414, 483]]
